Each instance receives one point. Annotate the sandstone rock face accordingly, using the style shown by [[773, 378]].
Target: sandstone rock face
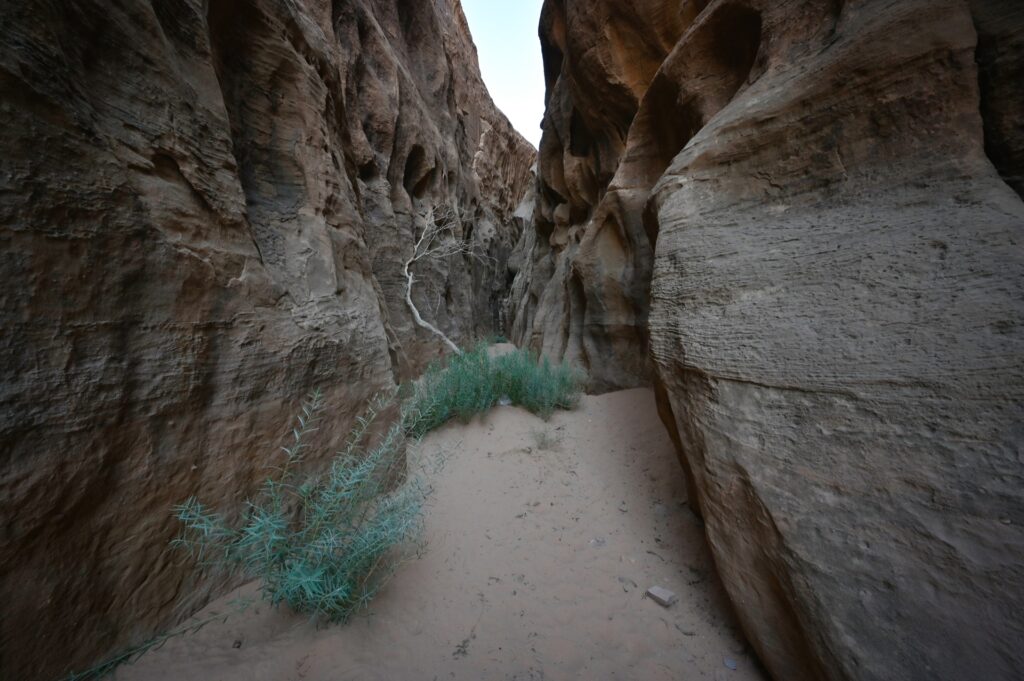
[[583, 291], [799, 218], [204, 210]]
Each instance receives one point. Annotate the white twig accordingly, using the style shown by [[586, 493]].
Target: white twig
[[438, 242]]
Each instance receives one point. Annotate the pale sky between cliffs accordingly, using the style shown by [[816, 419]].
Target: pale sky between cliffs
[[505, 33]]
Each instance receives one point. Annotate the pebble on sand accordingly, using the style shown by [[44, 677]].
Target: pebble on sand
[[662, 596]]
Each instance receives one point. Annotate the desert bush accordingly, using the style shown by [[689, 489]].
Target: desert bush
[[474, 382], [539, 386], [324, 546]]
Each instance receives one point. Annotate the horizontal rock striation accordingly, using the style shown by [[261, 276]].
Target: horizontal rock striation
[[204, 212], [802, 220]]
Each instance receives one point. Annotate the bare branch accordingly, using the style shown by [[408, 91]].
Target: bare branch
[[439, 241]]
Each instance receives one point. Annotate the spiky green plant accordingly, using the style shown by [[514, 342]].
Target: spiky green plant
[[474, 382], [324, 546]]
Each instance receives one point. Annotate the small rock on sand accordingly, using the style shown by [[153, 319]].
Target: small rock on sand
[[662, 596]]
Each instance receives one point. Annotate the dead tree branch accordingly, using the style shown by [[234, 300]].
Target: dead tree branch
[[439, 241]]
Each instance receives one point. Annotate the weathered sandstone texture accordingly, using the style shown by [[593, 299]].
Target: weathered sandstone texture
[[800, 220], [204, 210]]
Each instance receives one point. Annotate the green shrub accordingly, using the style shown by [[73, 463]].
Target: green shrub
[[325, 546], [474, 382], [540, 387]]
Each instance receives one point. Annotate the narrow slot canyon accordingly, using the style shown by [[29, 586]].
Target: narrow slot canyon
[[553, 339], [540, 541]]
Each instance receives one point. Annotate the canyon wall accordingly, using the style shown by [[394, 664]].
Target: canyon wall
[[803, 222], [205, 206]]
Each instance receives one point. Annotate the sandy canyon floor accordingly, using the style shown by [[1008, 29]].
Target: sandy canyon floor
[[542, 540]]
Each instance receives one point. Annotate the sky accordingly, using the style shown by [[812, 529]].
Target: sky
[[505, 33]]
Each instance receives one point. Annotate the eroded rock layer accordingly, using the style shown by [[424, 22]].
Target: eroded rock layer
[[204, 211], [799, 219]]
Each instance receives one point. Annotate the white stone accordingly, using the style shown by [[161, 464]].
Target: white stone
[[662, 596]]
